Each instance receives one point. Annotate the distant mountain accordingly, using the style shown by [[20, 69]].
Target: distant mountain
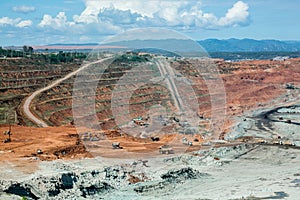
[[249, 45], [209, 45], [215, 45], [172, 45], [85, 44]]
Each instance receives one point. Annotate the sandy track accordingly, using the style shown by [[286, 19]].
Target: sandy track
[[27, 103]]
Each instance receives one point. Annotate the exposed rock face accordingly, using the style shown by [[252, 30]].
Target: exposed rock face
[[64, 186], [134, 180], [20, 190], [182, 175], [95, 183], [170, 179]]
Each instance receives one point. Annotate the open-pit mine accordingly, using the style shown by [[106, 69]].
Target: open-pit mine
[[125, 126]]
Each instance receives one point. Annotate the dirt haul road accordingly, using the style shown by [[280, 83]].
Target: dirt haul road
[[26, 105], [167, 72]]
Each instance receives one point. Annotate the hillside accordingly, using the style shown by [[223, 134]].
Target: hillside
[[215, 45], [249, 45]]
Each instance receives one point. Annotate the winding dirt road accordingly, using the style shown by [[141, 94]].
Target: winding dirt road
[[27, 103]]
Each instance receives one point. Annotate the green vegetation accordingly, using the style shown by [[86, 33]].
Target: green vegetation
[[64, 57], [52, 58], [130, 58]]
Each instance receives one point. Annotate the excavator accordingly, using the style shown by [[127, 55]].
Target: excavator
[[7, 140]]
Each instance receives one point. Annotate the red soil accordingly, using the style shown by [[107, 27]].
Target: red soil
[[249, 85]]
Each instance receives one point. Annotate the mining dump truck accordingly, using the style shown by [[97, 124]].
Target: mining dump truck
[[186, 142], [116, 145], [262, 141], [289, 143], [139, 121], [155, 138], [9, 135], [166, 149]]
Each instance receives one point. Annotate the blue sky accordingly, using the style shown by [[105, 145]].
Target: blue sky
[[39, 22]]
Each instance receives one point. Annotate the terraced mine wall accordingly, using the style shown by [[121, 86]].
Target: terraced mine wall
[[19, 77], [246, 83], [55, 106]]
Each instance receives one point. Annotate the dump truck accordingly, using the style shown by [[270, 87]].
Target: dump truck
[[186, 142], [288, 143], [166, 149], [139, 121], [116, 145], [155, 138], [9, 135]]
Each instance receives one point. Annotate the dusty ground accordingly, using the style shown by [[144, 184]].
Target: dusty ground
[[55, 143], [250, 172], [64, 143], [249, 85], [264, 172]]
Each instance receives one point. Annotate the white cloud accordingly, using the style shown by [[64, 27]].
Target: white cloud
[[150, 11], [95, 7], [137, 13], [236, 15], [23, 9], [59, 22], [8, 21], [103, 17], [24, 23], [18, 22]]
